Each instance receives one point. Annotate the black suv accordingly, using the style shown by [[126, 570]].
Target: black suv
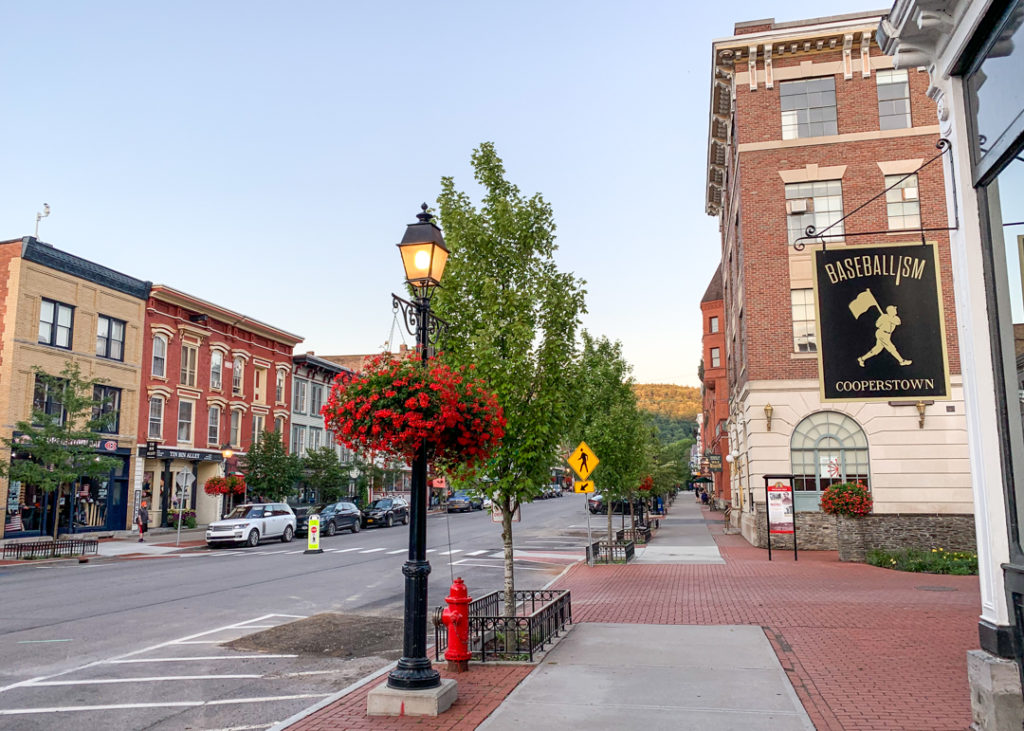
[[386, 511]]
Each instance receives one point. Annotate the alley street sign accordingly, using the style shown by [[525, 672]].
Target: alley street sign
[[585, 486], [583, 461]]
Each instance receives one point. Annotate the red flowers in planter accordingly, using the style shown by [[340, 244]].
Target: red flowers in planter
[[224, 485], [847, 499], [647, 484], [397, 405]]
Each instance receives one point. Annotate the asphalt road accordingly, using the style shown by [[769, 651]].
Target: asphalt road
[[136, 644]]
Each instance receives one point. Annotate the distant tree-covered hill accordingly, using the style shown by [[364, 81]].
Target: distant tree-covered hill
[[673, 409]]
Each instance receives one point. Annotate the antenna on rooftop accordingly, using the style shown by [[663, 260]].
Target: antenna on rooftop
[[41, 216]]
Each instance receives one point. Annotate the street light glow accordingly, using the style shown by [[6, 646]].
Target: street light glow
[[423, 260]]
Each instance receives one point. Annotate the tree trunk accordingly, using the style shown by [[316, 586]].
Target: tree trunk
[[506, 539], [56, 511], [611, 536]]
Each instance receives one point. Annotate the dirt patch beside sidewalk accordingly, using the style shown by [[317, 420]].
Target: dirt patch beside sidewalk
[[329, 635]]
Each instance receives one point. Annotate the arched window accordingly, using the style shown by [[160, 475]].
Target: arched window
[[827, 448]]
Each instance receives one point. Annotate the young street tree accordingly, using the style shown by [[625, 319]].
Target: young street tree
[[269, 470], [514, 316], [325, 473], [56, 447]]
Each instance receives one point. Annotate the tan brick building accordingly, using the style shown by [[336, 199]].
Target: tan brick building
[[56, 307], [809, 121]]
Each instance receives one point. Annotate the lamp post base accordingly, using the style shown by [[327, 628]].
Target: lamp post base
[[414, 673], [386, 701]]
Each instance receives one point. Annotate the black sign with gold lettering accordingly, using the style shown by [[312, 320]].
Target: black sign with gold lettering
[[881, 332]]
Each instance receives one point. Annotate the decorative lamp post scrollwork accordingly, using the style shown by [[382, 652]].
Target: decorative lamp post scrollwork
[[424, 256]]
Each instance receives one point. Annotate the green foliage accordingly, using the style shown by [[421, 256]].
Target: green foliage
[[56, 449], [514, 316], [269, 470], [325, 473], [936, 561], [671, 429]]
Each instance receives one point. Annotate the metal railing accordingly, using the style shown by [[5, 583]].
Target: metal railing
[[541, 615], [51, 549], [641, 534], [610, 551]]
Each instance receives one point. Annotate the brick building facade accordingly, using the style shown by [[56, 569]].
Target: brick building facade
[[809, 121], [212, 378], [715, 394]]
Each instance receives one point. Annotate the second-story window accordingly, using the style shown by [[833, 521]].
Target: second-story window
[[156, 417], [236, 427], [213, 427], [55, 323], [257, 427], [110, 338], [259, 385], [159, 356], [893, 98], [216, 369], [186, 410], [189, 356], [279, 425], [902, 203], [237, 376], [46, 397], [716, 358], [279, 388], [298, 440], [712, 324], [804, 340], [107, 408], [819, 204], [316, 399], [808, 107], [299, 399]]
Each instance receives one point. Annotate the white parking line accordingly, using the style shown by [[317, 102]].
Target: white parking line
[[476, 553], [431, 550], [372, 550], [476, 564], [168, 704], [197, 658], [451, 552], [157, 679], [346, 550], [400, 550], [302, 550]]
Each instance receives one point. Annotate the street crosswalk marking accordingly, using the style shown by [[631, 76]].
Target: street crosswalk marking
[[400, 550], [476, 553], [346, 550], [449, 553], [372, 550]]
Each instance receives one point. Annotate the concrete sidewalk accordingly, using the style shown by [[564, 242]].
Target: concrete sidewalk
[[702, 630]]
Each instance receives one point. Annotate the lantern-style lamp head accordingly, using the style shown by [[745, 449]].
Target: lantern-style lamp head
[[423, 252], [768, 410], [226, 452]]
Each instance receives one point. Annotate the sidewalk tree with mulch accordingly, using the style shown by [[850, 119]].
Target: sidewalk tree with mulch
[[57, 447], [514, 315]]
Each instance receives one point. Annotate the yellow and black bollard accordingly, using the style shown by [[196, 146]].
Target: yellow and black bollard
[[313, 535]]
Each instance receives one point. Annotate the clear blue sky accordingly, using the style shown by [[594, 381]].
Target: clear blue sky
[[267, 156]]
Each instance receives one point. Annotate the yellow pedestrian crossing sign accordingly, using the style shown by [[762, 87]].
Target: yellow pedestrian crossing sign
[[583, 461], [585, 486]]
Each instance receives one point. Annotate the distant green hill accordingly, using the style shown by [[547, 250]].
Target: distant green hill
[[673, 409]]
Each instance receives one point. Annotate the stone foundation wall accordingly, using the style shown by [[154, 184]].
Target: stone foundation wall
[[854, 537]]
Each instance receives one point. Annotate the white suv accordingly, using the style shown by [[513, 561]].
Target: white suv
[[252, 522]]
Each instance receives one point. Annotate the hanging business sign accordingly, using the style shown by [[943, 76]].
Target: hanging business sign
[[881, 330], [780, 508], [715, 462]]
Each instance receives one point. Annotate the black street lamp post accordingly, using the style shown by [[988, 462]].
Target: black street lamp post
[[424, 256]]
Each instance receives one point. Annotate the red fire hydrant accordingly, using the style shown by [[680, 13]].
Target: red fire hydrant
[[456, 619]]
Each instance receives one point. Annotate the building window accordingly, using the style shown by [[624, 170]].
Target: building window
[[185, 412], [55, 323], [279, 425], [716, 358], [259, 385], [110, 338], [818, 204], [893, 98], [237, 375], [298, 439], [827, 448], [902, 203], [314, 437], [258, 426], [189, 356], [156, 417], [316, 399], [804, 340], [213, 427], [107, 409], [46, 397], [216, 369], [808, 108], [279, 388], [159, 368], [712, 324], [236, 427], [299, 399]]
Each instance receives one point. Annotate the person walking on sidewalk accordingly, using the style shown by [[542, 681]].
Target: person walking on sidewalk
[[143, 521]]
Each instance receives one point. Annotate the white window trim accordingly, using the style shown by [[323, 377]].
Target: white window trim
[[152, 364], [191, 422], [149, 429]]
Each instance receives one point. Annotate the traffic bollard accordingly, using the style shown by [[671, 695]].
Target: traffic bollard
[[313, 535]]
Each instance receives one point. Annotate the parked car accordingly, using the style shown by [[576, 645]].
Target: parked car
[[463, 501], [333, 518], [252, 522], [386, 511], [596, 504]]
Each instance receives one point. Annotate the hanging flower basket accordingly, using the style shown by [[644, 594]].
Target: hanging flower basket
[[648, 484], [398, 404], [225, 485], [847, 498]]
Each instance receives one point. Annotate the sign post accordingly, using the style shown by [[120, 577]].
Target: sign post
[[313, 535], [780, 510], [583, 461]]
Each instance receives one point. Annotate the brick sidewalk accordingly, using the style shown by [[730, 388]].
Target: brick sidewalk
[[865, 648]]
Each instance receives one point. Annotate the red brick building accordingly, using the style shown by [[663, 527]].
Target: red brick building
[[715, 393], [809, 120], [211, 378]]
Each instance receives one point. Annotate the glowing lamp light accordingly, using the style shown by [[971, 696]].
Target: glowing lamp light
[[424, 254]]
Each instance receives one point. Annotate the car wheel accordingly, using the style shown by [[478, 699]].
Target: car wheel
[[389, 521], [254, 538], [355, 526], [288, 534], [331, 528], [405, 518]]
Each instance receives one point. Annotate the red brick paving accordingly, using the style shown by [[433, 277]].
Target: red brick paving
[[865, 648]]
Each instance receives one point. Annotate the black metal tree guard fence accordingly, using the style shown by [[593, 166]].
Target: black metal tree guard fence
[[611, 552], [51, 549], [510, 638]]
